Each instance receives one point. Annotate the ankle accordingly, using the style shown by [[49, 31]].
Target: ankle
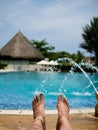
[[63, 119], [40, 118], [63, 116], [63, 123]]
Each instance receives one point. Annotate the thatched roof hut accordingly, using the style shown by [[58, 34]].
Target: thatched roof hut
[[20, 48]]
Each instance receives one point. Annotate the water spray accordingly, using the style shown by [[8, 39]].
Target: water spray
[[77, 65]]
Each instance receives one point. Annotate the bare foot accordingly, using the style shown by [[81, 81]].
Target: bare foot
[[63, 107], [63, 113], [38, 105]]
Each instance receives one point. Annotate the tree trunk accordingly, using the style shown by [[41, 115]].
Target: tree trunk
[[96, 58]]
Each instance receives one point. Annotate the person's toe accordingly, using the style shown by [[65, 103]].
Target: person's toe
[[36, 99], [66, 102], [41, 97], [60, 98]]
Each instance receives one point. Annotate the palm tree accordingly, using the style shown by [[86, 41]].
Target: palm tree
[[90, 36]]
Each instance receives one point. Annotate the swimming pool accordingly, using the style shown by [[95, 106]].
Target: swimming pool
[[18, 88]]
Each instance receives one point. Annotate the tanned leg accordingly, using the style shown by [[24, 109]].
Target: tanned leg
[[63, 114], [38, 105]]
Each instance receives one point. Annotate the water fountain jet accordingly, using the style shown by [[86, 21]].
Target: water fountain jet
[[77, 65]]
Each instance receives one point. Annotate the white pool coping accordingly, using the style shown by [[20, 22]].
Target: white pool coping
[[29, 112], [7, 70]]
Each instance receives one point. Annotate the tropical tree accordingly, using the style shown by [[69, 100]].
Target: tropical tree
[[43, 46], [90, 36], [78, 57]]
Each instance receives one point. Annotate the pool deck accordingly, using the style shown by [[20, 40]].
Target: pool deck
[[81, 119], [48, 112]]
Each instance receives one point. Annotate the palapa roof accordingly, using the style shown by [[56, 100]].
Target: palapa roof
[[20, 48]]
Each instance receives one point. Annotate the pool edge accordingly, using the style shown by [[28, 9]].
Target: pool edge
[[30, 112]]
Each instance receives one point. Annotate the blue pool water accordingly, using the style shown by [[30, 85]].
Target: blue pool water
[[18, 88]]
